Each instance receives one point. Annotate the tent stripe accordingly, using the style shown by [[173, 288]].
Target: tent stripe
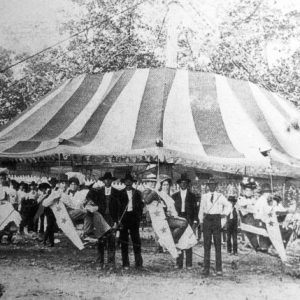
[[290, 141], [179, 128], [273, 101], [70, 109], [64, 116], [242, 131], [292, 112], [37, 105], [207, 116], [245, 96], [34, 122], [91, 128], [81, 119], [118, 126], [151, 114]]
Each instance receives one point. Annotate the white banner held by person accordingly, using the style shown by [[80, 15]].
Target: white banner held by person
[[65, 223], [8, 214]]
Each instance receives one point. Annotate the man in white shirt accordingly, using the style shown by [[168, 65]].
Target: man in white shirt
[[213, 207]]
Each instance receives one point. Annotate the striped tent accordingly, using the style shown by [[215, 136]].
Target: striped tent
[[195, 119]]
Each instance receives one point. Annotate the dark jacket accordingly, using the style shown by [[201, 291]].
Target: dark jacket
[[98, 198], [191, 211], [137, 203]]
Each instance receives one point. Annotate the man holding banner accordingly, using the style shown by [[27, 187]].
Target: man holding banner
[[186, 207]]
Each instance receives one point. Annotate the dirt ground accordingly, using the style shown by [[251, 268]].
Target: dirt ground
[[31, 271]]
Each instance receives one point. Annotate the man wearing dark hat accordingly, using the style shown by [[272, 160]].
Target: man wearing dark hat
[[107, 200], [186, 207], [213, 207], [131, 209]]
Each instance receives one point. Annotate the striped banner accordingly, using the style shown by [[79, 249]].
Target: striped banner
[[202, 120]]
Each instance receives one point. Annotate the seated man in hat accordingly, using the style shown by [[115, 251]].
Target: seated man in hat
[[77, 204]]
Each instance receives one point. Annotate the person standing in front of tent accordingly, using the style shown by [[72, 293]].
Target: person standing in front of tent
[[186, 207], [106, 199], [131, 209], [213, 207]]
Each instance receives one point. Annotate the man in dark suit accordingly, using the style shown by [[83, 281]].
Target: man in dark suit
[[186, 206], [131, 205], [107, 200]]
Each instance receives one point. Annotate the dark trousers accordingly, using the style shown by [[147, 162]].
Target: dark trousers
[[131, 225], [51, 226], [189, 252], [108, 242], [42, 218], [188, 257], [27, 220], [232, 227], [212, 228]]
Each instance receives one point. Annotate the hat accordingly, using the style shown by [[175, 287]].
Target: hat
[[92, 195], [107, 175], [3, 172], [74, 180], [128, 176], [44, 186], [232, 199], [248, 183], [183, 177], [164, 177], [53, 181], [149, 177], [277, 198], [266, 188], [211, 181], [62, 178]]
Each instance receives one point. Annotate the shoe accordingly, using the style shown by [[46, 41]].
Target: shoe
[[235, 254], [139, 267], [205, 273], [177, 267], [126, 267], [189, 268], [111, 267], [219, 273]]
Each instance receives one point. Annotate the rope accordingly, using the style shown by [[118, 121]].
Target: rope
[[70, 37]]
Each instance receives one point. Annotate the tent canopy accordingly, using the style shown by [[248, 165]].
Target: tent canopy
[[196, 119]]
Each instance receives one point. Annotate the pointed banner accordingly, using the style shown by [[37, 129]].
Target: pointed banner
[[269, 228], [161, 227], [65, 223], [187, 240], [274, 234], [8, 214]]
